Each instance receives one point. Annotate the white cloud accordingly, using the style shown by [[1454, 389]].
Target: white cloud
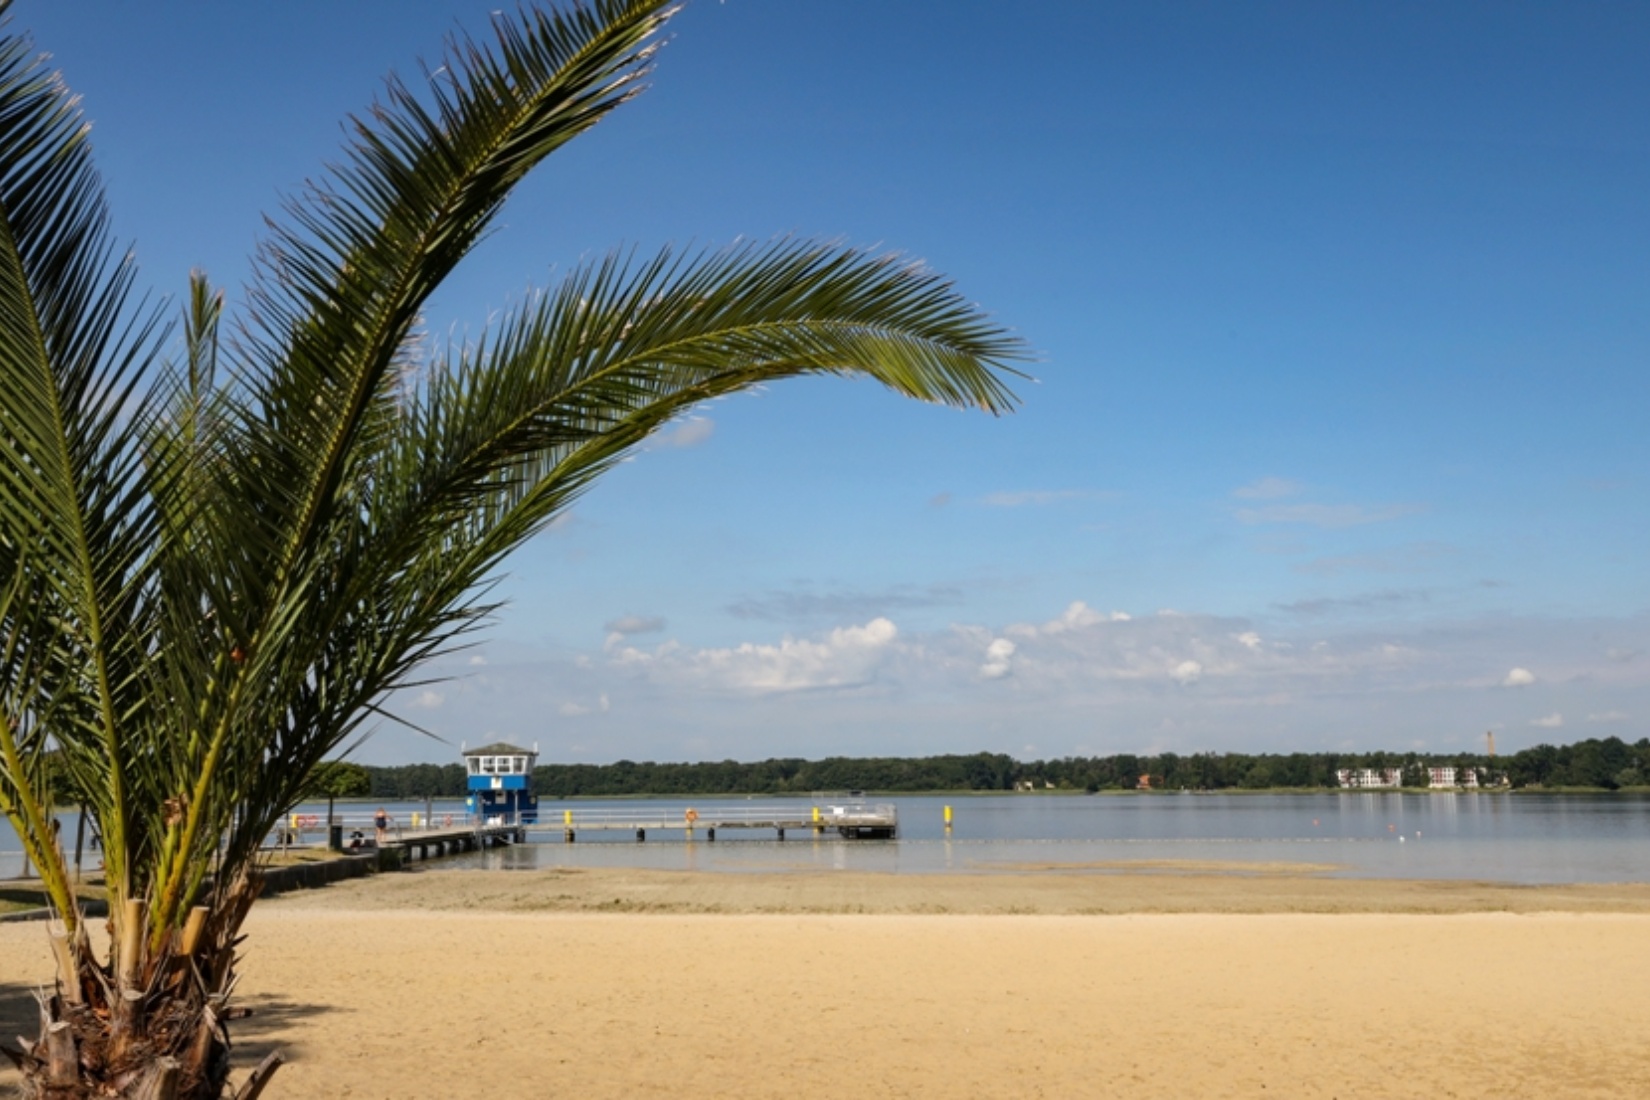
[[1075, 617], [429, 700], [1518, 677], [476, 661], [689, 433], [873, 689], [847, 657], [1083, 649], [1552, 722], [1268, 488], [997, 659]]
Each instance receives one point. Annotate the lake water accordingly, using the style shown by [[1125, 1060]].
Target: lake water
[[1493, 837]]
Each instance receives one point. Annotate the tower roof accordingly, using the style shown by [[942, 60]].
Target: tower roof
[[499, 748]]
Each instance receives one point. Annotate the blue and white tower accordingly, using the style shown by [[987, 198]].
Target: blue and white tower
[[500, 782]]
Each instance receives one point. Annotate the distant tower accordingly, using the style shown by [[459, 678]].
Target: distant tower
[[1489, 740], [500, 781]]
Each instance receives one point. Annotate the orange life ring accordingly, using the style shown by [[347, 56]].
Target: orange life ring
[[692, 816]]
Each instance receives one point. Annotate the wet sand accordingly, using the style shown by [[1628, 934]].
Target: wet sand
[[1140, 981], [1119, 887]]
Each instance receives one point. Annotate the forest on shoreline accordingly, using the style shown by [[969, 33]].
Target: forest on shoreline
[[1600, 764]]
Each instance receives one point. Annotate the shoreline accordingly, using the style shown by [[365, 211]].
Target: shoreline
[[1038, 887], [1115, 888]]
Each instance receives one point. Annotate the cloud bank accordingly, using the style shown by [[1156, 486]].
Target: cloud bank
[[1080, 681]]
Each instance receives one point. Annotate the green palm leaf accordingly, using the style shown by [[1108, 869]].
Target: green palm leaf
[[73, 498]]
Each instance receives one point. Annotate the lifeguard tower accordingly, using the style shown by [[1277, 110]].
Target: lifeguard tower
[[500, 782]]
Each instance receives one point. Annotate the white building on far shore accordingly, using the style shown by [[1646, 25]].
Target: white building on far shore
[[1388, 778], [1370, 778], [1453, 777]]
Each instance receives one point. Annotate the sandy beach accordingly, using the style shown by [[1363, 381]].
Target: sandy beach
[[1162, 982]]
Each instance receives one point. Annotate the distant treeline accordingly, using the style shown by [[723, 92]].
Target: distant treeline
[[1607, 764]]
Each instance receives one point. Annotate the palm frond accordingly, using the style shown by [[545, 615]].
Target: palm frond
[[73, 349], [342, 282], [498, 441]]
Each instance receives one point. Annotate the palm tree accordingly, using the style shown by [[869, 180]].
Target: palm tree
[[222, 545]]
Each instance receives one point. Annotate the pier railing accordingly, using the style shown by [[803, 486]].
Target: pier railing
[[305, 828], [853, 820], [779, 815]]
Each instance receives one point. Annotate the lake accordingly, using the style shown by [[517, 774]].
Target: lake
[[1487, 836]]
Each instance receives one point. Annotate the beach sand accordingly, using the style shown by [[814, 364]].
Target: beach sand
[[1164, 982]]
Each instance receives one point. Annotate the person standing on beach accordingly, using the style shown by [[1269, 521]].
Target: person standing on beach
[[381, 823]]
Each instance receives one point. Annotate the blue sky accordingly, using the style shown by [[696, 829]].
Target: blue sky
[[1337, 438]]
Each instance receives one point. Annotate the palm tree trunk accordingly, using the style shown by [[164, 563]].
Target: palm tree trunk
[[146, 1026]]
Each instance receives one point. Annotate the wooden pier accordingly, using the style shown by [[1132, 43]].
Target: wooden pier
[[426, 836], [450, 840], [429, 835], [852, 821]]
